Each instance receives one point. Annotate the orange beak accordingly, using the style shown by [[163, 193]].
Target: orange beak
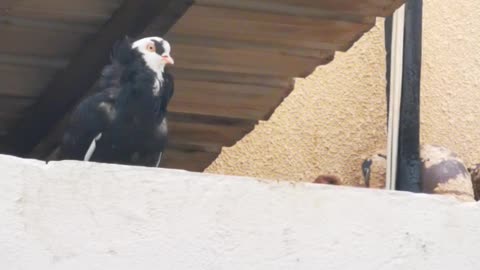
[[168, 59]]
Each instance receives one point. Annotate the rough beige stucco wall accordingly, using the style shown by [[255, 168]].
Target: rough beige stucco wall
[[338, 114]]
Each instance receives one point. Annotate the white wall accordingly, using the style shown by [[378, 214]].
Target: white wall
[[72, 215]]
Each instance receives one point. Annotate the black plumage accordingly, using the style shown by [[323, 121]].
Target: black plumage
[[125, 122]]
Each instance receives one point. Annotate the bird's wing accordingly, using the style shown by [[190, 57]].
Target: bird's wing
[[169, 86], [88, 121], [167, 89], [159, 159]]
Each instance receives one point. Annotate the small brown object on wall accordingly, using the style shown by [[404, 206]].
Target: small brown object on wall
[[328, 179]]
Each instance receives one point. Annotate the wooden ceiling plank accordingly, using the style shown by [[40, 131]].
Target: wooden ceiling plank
[[244, 61], [191, 89], [32, 61], [253, 45], [292, 9], [23, 81], [91, 11], [92, 6], [189, 147], [280, 39], [232, 77], [213, 109], [38, 43], [362, 8], [46, 25], [65, 16], [228, 14], [7, 5], [204, 134], [210, 120], [275, 30], [291, 25], [230, 100], [193, 160], [71, 84]]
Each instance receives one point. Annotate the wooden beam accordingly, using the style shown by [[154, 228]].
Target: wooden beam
[[70, 84], [14, 104], [6, 120]]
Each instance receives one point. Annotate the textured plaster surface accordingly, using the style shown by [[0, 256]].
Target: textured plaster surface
[[338, 114], [79, 215], [451, 77], [324, 126]]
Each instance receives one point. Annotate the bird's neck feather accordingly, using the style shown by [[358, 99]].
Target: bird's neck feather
[[158, 72]]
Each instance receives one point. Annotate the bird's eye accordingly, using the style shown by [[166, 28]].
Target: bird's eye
[[151, 47]]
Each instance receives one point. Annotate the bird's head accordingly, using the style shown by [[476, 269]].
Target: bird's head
[[155, 51], [475, 169]]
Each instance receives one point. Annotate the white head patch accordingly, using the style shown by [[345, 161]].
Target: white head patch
[[156, 53]]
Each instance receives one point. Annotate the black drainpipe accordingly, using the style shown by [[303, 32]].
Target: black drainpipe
[[408, 168]]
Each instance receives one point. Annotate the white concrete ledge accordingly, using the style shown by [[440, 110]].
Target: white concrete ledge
[[70, 215]]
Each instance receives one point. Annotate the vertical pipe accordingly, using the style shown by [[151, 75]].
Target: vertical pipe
[[408, 167], [388, 27], [395, 91]]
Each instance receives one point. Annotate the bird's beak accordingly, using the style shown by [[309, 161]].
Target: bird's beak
[[168, 59]]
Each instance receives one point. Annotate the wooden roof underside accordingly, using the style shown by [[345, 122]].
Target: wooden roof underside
[[234, 62]]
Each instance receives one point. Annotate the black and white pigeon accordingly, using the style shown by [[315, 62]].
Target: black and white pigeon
[[125, 122]]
